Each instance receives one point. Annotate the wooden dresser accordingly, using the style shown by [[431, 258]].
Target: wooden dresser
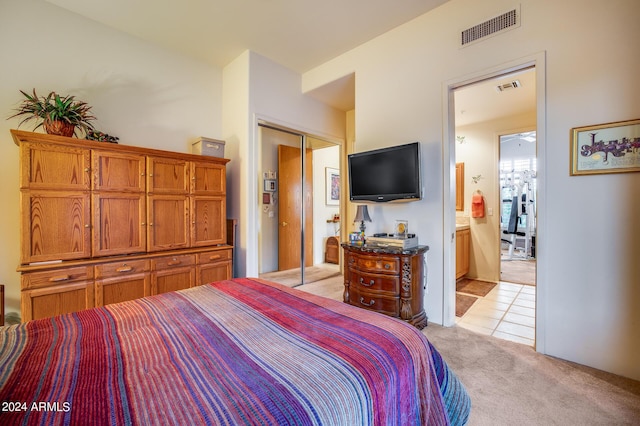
[[386, 280], [104, 223]]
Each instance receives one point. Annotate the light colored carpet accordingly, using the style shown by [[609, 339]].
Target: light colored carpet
[[293, 277], [511, 384]]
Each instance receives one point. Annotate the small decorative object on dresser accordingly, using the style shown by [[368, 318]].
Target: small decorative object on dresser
[[402, 228], [389, 280]]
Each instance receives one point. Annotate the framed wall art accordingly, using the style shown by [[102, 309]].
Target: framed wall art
[[605, 148], [332, 188]]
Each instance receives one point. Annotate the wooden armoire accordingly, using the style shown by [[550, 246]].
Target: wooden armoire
[[104, 223]]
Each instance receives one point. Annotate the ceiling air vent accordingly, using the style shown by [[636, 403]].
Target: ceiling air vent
[[492, 26], [508, 86]]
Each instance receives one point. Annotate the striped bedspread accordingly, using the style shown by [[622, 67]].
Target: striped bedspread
[[243, 351]]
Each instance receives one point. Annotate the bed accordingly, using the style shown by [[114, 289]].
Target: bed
[[241, 351]]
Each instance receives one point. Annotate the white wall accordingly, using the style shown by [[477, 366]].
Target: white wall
[[272, 93], [323, 158], [589, 296], [144, 95]]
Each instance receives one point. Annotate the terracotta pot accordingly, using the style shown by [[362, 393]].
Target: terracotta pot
[[59, 127]]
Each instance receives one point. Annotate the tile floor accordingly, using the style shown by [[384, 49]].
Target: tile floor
[[507, 312]]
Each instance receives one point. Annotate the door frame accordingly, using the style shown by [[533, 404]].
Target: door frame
[[538, 61]]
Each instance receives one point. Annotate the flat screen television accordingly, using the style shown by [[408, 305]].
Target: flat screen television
[[387, 174]]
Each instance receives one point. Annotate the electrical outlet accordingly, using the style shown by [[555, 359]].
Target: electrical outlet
[[490, 211]]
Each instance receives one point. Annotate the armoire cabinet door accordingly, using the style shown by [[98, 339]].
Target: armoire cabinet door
[[167, 220], [208, 221], [117, 171], [55, 226], [49, 166], [208, 179], [119, 223], [167, 176]]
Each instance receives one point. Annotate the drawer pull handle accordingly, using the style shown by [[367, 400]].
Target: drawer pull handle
[[174, 262], [124, 268], [372, 282], [367, 304], [215, 257], [59, 278], [387, 266]]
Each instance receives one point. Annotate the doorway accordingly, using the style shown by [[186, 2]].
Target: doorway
[[297, 214], [502, 233], [518, 207]]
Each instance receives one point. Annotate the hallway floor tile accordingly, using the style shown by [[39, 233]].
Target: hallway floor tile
[[507, 312]]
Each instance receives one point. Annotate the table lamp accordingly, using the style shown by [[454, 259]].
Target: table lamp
[[362, 216]]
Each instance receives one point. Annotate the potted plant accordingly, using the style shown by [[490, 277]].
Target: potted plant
[[59, 115]]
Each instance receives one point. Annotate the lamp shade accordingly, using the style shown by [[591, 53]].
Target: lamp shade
[[362, 215]]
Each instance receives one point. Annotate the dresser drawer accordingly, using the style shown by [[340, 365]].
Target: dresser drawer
[[173, 262], [377, 264], [374, 282], [115, 269], [54, 277], [214, 256], [375, 301]]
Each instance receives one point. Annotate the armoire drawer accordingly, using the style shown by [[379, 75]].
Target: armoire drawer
[[214, 256], [115, 269], [55, 277], [177, 261]]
